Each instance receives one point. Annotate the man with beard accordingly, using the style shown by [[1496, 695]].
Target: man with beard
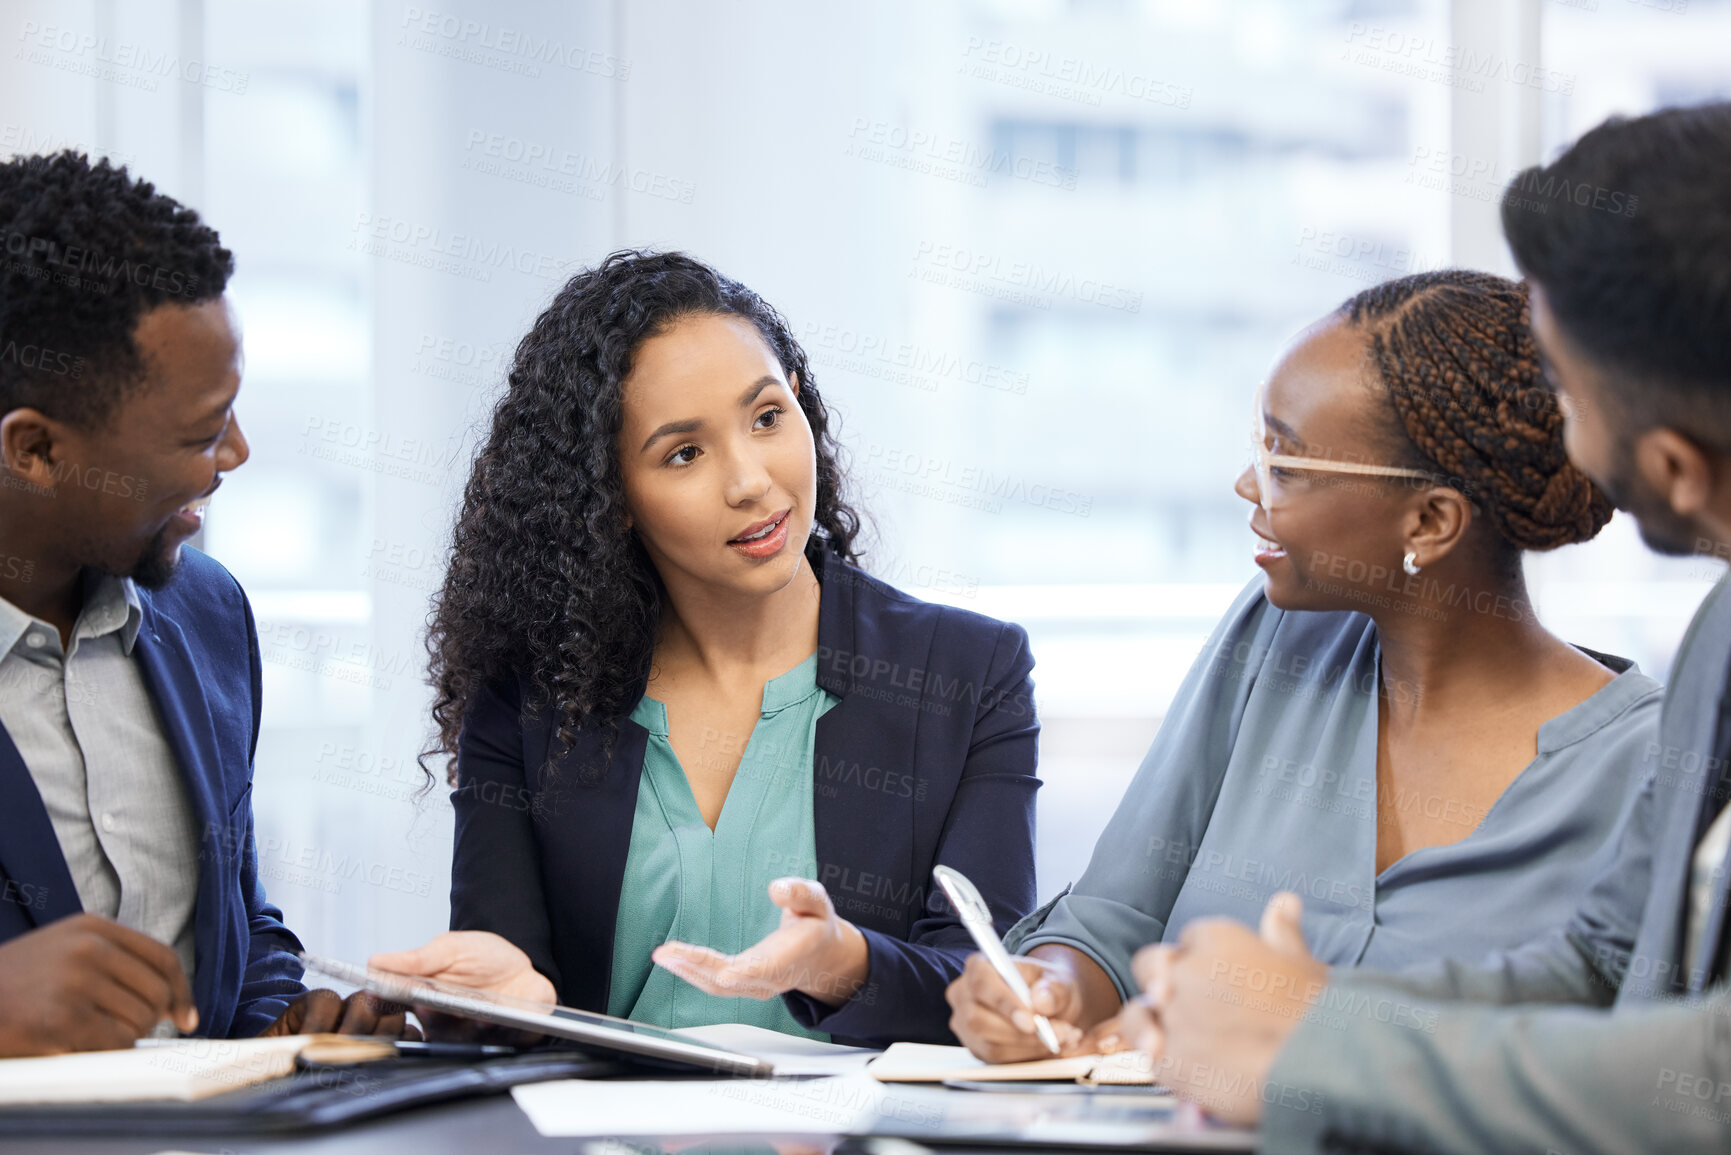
[[129, 666], [1626, 241]]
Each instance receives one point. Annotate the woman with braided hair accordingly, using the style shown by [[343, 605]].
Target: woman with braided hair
[[1380, 723]]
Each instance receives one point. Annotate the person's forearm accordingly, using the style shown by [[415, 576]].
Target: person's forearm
[[1368, 1073], [1099, 994], [1550, 969], [840, 970]]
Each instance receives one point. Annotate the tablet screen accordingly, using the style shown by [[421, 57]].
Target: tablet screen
[[596, 1031]]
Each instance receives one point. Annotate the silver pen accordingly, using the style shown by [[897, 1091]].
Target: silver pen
[[977, 917]]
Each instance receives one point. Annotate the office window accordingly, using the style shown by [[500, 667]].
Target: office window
[[1039, 252]]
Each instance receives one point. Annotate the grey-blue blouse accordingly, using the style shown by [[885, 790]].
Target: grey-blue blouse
[[1263, 778]]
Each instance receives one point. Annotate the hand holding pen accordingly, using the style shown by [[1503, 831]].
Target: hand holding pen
[[1005, 1009]]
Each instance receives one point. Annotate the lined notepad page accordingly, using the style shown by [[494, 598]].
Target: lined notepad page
[[930, 1063]]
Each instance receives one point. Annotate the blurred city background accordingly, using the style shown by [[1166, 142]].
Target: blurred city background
[[1040, 252]]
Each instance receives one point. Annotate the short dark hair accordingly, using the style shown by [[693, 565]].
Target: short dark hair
[[85, 251], [1629, 234]]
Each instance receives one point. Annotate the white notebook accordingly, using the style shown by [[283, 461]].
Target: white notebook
[[184, 1069]]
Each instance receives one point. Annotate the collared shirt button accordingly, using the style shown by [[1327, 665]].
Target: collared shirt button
[[35, 640], [108, 823]]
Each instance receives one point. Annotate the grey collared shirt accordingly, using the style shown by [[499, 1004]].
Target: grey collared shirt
[[1706, 878], [87, 729]]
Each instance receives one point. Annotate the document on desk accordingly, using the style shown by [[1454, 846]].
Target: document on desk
[[791, 1054], [836, 1105], [693, 1108], [928, 1063]]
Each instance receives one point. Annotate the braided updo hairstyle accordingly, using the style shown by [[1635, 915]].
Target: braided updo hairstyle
[[1454, 354]]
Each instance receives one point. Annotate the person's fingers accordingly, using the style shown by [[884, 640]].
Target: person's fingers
[[988, 989], [117, 965], [1156, 975], [1281, 924], [436, 956], [801, 896], [393, 1027], [164, 967], [1140, 1027], [1142, 964], [1105, 1037], [763, 971], [996, 1039], [88, 1027], [1203, 935], [700, 966], [360, 1015], [992, 1038], [447, 1028], [1054, 996], [703, 980], [316, 1012], [1069, 1036], [748, 979], [119, 1003], [1149, 961], [677, 955]]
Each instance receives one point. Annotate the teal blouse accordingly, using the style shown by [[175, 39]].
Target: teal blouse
[[684, 881]]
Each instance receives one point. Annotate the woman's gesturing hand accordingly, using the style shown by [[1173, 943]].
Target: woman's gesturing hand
[[815, 951]]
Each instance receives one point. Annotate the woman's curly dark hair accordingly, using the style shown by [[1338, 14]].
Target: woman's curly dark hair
[[545, 580]]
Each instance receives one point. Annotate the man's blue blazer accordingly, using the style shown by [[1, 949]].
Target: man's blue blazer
[[928, 758], [198, 650]]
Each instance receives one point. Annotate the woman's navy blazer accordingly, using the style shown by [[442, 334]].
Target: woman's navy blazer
[[928, 758]]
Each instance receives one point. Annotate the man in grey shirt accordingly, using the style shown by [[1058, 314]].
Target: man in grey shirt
[[1626, 240], [130, 679]]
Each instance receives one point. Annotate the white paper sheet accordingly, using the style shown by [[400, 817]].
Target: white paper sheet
[[791, 1054], [698, 1108], [826, 1106]]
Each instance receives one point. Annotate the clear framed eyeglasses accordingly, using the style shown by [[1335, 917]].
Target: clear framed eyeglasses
[[1265, 461]]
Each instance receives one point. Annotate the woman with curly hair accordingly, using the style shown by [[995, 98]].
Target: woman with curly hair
[[1380, 723], [664, 689]]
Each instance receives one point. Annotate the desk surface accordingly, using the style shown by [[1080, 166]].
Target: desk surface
[[492, 1124]]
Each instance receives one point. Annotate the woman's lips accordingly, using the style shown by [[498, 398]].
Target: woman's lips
[[766, 542], [1267, 552]]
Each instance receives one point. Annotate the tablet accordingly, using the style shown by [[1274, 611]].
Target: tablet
[[594, 1032]]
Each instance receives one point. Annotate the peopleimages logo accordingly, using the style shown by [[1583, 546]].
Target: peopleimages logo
[[120, 61], [501, 46], [102, 271], [1022, 282]]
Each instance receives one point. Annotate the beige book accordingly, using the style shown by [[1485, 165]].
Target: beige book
[[184, 1069], [929, 1063]]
